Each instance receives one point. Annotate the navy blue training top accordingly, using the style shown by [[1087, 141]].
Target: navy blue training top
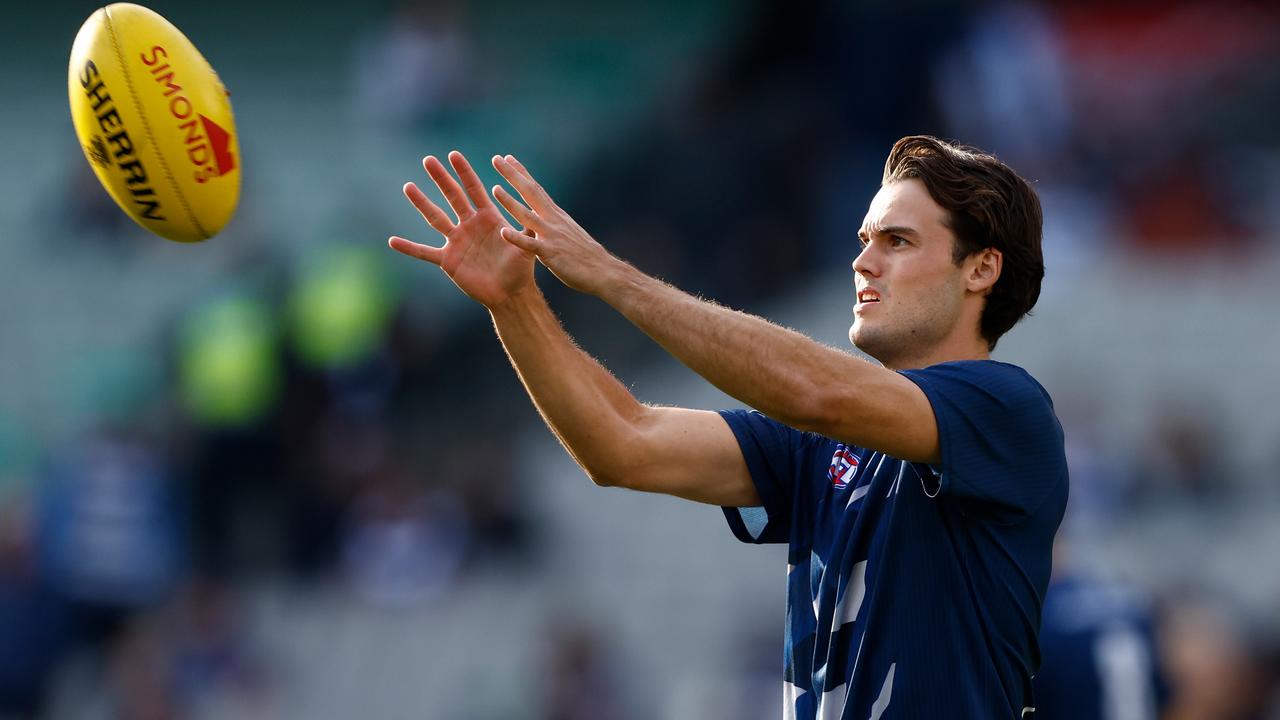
[[914, 591]]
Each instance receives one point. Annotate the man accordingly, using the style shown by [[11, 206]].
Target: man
[[919, 499]]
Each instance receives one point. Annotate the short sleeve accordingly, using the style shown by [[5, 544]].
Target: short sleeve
[[770, 450], [1001, 442]]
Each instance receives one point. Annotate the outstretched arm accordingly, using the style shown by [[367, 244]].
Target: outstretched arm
[[778, 371], [616, 439]]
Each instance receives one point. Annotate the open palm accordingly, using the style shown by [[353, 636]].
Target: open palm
[[474, 256]]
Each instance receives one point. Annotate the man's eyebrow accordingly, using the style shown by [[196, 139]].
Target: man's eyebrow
[[889, 230]]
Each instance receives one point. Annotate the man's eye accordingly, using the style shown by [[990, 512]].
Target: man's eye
[[898, 240]]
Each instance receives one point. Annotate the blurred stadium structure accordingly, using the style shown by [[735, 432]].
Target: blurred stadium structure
[[288, 474]]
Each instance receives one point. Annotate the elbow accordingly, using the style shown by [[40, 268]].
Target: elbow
[[617, 472], [808, 401], [605, 479], [820, 411], [624, 467], [630, 457]]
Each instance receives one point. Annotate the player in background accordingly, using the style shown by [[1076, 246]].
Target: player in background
[[919, 497], [1099, 648]]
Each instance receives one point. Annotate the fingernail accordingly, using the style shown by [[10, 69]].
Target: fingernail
[[511, 158]]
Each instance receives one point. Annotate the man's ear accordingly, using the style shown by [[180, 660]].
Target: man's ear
[[984, 270]]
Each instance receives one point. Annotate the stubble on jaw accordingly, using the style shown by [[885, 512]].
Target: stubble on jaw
[[870, 345], [900, 342]]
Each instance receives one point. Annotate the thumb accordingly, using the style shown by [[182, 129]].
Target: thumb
[[521, 240]]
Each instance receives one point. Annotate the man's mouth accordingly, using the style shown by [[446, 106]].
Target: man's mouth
[[867, 295]]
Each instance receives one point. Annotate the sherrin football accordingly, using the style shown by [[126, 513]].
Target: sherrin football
[[155, 123]]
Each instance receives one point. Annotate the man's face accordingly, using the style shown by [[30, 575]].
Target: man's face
[[909, 292]]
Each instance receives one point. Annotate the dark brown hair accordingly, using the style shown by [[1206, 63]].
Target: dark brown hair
[[988, 206]]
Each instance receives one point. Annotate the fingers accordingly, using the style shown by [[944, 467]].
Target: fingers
[[522, 214], [448, 187], [433, 255], [524, 241], [519, 166], [434, 216], [513, 172], [470, 181]]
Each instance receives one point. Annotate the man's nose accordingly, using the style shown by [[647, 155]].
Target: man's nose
[[866, 262]]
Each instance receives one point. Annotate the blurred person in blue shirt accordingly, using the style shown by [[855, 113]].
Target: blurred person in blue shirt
[[1098, 643], [37, 625], [110, 523], [919, 499]]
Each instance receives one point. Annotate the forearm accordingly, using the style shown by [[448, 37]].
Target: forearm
[[592, 414], [773, 369]]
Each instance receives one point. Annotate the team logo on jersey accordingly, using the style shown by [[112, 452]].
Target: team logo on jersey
[[844, 466]]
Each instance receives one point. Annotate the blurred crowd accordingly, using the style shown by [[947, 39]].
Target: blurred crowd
[[314, 423]]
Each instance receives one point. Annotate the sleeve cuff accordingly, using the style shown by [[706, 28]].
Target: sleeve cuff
[[750, 524], [939, 419]]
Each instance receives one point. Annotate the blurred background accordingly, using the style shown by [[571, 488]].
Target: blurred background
[[288, 473]]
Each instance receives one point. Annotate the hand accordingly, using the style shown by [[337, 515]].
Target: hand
[[560, 243], [475, 256]]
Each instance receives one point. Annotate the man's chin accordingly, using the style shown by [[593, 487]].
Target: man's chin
[[862, 340], [872, 344]]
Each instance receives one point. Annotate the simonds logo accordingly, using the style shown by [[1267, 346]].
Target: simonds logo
[[207, 142]]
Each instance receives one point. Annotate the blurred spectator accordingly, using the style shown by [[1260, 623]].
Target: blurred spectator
[[1099, 654], [402, 545], [1216, 672], [236, 478], [1004, 88], [482, 473], [210, 657], [110, 525], [230, 378], [582, 680], [340, 307], [1179, 460], [228, 360], [415, 63], [139, 684], [1182, 205], [37, 625]]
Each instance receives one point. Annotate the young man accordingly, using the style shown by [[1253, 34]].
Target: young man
[[919, 499]]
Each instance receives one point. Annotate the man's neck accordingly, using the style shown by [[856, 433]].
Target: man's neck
[[946, 352]]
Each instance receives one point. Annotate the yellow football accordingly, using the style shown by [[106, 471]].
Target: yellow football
[[155, 123]]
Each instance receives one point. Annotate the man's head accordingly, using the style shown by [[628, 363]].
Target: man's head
[[950, 256]]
